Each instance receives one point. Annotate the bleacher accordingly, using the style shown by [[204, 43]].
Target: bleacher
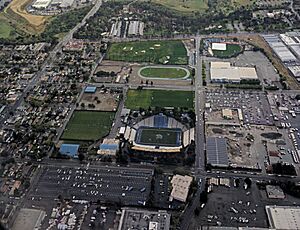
[[160, 121]]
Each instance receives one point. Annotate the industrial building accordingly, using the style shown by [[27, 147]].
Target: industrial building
[[274, 192], [41, 4], [180, 187], [216, 150], [284, 217], [144, 219], [224, 72], [279, 48]]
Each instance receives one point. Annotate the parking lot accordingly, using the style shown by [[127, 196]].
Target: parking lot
[[254, 104], [161, 191], [108, 184], [233, 206]]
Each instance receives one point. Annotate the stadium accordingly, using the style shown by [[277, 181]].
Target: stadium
[[159, 133]]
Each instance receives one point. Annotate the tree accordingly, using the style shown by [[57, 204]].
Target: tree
[[197, 212], [203, 197], [248, 182], [81, 157]]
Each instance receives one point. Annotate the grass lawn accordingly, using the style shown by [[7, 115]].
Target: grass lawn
[[158, 52], [161, 137], [5, 29], [87, 125], [161, 98], [162, 72], [185, 6], [231, 51]]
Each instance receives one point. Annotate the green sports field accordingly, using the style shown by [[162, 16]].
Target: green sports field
[[159, 98], [158, 137], [231, 51], [88, 126], [157, 52], [164, 72]]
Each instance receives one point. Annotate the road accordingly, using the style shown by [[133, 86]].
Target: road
[[200, 172]]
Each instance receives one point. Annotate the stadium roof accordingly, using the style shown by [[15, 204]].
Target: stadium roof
[[216, 150], [69, 149], [90, 89]]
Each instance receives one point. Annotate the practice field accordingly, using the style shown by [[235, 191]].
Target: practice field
[[231, 51], [158, 137], [88, 126], [164, 72], [161, 98], [5, 29], [158, 52], [189, 6]]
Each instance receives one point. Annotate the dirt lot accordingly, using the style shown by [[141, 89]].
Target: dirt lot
[[32, 23], [102, 100], [214, 117], [121, 69]]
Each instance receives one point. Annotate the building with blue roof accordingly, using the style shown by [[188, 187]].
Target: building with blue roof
[[90, 89], [109, 147], [69, 149]]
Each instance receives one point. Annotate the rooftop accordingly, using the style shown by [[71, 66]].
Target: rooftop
[[180, 187]]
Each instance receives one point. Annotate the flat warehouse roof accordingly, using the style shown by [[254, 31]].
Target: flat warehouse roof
[[233, 73], [216, 150], [218, 46], [284, 217]]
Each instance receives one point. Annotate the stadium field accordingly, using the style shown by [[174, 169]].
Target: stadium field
[[231, 51], [159, 98], [158, 137], [88, 126], [158, 52]]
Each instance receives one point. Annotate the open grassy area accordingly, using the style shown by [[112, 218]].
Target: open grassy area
[[185, 6], [231, 51], [158, 137], [164, 72], [158, 52], [161, 98], [5, 29], [189, 6], [88, 126]]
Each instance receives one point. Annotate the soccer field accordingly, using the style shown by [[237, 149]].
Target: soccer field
[[158, 137], [158, 52], [159, 98], [88, 126]]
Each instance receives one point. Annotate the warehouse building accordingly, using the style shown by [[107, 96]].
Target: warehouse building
[[41, 4], [284, 217], [216, 150], [223, 72]]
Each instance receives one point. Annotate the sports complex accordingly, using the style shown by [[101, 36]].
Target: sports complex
[[159, 133]]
